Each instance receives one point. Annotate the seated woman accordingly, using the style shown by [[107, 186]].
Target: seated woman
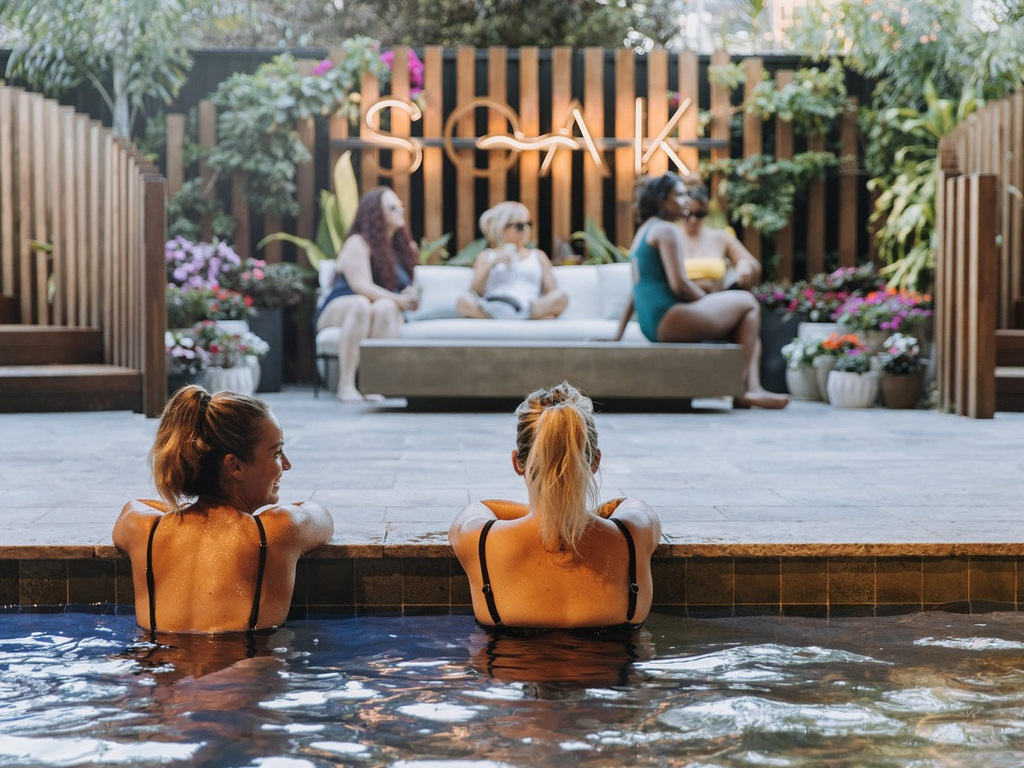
[[511, 281], [372, 284], [212, 564], [670, 306], [714, 258], [557, 562]]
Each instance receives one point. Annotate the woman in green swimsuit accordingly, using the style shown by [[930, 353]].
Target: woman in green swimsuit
[[671, 307]]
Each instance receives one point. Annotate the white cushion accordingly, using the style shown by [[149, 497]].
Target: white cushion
[[325, 279], [580, 282], [438, 287], [616, 286]]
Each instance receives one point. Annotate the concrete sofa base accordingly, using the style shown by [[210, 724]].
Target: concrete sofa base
[[444, 369]]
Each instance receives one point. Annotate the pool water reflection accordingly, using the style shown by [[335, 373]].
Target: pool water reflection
[[926, 689]]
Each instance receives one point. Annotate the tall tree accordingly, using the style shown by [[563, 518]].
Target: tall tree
[[127, 50]]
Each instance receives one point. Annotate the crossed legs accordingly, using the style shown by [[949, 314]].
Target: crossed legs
[[358, 318], [726, 315]]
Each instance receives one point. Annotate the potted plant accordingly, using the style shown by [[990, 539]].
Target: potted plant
[[851, 382], [901, 371], [234, 358], [832, 348], [880, 313], [799, 354], [272, 288], [778, 326], [186, 360]]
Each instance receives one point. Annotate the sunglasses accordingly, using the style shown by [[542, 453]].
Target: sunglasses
[[521, 226], [694, 214]]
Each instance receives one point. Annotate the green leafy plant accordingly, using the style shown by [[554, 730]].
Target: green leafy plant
[[729, 75], [189, 206], [801, 351], [337, 210], [188, 306], [599, 249], [227, 349], [812, 102], [900, 355], [761, 188], [854, 360], [258, 116], [271, 286], [466, 255], [435, 251], [127, 50]]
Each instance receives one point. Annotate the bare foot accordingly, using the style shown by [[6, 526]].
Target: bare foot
[[375, 398], [761, 398], [352, 395]]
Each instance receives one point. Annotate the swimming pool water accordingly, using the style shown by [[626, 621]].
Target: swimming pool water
[[927, 689]]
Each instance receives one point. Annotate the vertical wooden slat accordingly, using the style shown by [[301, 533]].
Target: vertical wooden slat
[[1016, 204], [753, 142], [66, 213], [337, 127], [465, 90], [273, 252], [689, 68], [848, 187], [96, 218], [497, 90], [721, 109], [110, 246], [8, 221], [561, 165], [81, 214], [816, 215], [208, 140], [175, 158], [240, 213], [155, 234], [982, 268], [625, 159], [529, 122], [40, 232], [784, 148], [370, 158], [961, 292], [945, 308], [657, 105], [1003, 162], [593, 115], [25, 198], [433, 157], [400, 123], [305, 183]]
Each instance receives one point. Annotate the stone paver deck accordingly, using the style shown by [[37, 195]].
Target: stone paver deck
[[808, 481]]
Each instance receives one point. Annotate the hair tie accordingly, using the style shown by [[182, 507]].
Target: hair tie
[[204, 402]]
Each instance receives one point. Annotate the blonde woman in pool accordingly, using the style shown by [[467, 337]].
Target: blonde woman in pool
[[559, 561], [203, 560], [510, 280]]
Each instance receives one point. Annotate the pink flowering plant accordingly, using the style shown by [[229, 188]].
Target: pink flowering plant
[[184, 354], [854, 359], [227, 349], [819, 298], [885, 310], [900, 355], [199, 265], [416, 71], [282, 284]]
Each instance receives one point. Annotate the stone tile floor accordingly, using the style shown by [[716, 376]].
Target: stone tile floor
[[808, 480]]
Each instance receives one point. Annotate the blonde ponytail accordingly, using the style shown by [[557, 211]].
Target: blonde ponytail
[[558, 440]]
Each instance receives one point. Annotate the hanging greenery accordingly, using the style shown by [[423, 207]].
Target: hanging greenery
[[812, 102], [258, 116]]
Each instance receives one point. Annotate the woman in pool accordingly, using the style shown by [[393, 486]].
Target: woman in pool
[[670, 305], [212, 564], [557, 562], [511, 281], [372, 284]]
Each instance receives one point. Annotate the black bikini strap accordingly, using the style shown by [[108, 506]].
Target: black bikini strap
[[150, 581], [254, 614], [634, 588], [486, 589]]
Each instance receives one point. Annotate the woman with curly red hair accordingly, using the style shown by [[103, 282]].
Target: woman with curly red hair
[[372, 283]]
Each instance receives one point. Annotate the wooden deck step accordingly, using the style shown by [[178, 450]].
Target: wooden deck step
[[1010, 388], [8, 309], [1010, 348], [48, 344], [81, 387]]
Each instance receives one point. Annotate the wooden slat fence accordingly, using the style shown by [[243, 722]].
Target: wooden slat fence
[[66, 183], [457, 181], [979, 272]]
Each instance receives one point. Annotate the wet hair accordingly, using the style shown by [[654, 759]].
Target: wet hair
[[494, 220], [197, 430], [384, 255], [556, 443], [651, 191]]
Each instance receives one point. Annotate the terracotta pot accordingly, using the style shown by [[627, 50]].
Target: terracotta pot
[[847, 389], [901, 390], [802, 384]]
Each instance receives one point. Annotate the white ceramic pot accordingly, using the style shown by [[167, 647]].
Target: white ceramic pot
[[238, 379], [823, 365], [852, 390], [802, 383]]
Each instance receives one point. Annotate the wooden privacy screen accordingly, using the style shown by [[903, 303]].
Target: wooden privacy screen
[[530, 100], [82, 230], [979, 271]]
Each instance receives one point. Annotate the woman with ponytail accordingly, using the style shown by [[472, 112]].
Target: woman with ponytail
[[203, 560], [560, 561]]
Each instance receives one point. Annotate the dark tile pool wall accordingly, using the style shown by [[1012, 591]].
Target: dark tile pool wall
[[697, 584]]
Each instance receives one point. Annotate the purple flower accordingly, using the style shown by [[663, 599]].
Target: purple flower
[[323, 67]]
